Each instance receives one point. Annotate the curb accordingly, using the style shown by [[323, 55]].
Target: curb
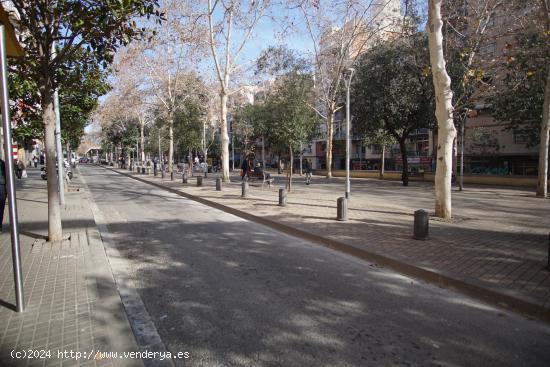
[[496, 298], [139, 321]]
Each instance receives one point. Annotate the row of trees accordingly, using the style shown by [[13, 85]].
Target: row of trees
[[157, 78], [394, 91], [69, 42]]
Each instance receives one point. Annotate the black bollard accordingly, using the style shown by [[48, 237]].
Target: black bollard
[[172, 176], [244, 192], [342, 209], [199, 181], [155, 170], [218, 184], [143, 170], [421, 225], [162, 173], [282, 196], [184, 177]]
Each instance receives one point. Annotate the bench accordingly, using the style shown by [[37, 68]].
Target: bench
[[261, 176]]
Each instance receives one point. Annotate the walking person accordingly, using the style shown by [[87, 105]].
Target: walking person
[[19, 167], [2, 191], [307, 168], [244, 169]]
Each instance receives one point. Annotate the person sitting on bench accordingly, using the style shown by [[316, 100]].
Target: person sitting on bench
[[258, 170]]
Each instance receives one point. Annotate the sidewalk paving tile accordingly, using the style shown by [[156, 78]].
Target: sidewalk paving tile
[[64, 312]]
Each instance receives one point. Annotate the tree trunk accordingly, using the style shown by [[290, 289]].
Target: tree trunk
[[443, 112], [142, 141], [171, 144], [263, 153], [225, 137], [382, 160], [55, 233], [542, 187], [290, 169], [328, 153], [405, 171]]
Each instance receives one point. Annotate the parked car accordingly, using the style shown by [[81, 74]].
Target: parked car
[[84, 160]]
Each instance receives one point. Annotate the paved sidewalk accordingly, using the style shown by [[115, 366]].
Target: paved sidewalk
[[72, 303], [495, 248]]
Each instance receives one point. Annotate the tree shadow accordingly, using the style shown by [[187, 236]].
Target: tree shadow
[[241, 294]]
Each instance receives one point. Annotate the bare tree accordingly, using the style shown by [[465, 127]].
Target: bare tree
[[340, 32], [468, 31], [443, 112], [230, 25], [160, 67]]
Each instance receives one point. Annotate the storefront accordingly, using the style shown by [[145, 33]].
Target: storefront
[[416, 164]]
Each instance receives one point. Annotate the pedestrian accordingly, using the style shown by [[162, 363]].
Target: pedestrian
[[2, 191], [244, 169], [19, 167], [307, 168]]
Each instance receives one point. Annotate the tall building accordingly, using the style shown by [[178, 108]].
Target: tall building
[[383, 23], [489, 146]]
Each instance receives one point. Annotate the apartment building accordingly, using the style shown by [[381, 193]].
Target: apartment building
[[490, 146], [383, 23]]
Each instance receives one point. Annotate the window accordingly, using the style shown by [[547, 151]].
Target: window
[[520, 138]]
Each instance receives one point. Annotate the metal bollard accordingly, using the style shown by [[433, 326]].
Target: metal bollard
[[218, 184], [244, 189], [172, 176], [421, 225], [155, 171], [205, 175], [199, 181], [342, 209], [282, 196], [143, 170], [162, 173], [184, 177]]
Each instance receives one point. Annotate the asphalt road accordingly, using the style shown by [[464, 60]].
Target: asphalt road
[[235, 293]]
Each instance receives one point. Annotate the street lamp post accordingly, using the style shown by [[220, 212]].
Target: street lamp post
[[232, 152], [461, 183], [348, 84]]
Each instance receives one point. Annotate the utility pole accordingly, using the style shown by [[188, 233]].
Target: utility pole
[[461, 183], [161, 163], [232, 152], [348, 84], [10, 181]]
